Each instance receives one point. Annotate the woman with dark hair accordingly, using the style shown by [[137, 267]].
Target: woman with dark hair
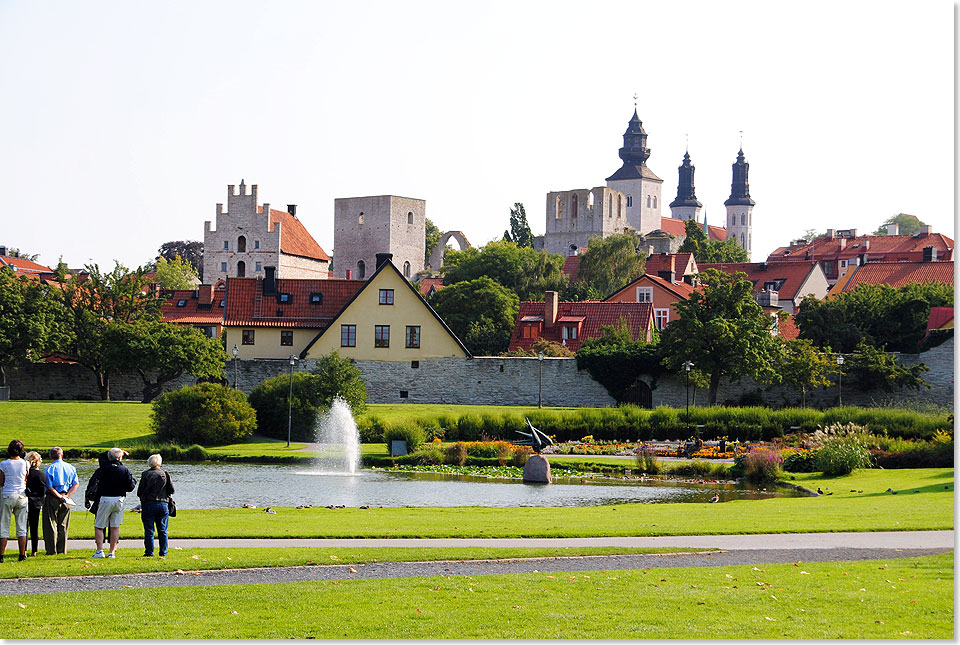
[[36, 487], [13, 479]]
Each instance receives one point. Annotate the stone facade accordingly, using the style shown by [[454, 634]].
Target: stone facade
[[365, 226], [575, 216]]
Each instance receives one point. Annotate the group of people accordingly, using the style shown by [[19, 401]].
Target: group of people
[[26, 492]]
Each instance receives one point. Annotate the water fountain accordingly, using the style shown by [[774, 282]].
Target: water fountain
[[338, 441]]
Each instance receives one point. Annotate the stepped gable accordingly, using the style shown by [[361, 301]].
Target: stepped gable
[[899, 274], [294, 237], [242, 306]]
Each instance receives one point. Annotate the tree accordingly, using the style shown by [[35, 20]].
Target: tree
[[29, 325], [809, 235], [161, 352], [524, 271], [706, 250], [545, 347], [610, 263], [340, 377], [17, 253], [616, 361], [872, 367], [189, 250], [481, 312], [175, 274], [803, 366], [432, 236], [519, 232], [723, 331], [881, 315], [90, 303], [906, 224]]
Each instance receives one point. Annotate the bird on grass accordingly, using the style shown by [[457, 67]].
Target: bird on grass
[[269, 511], [715, 498], [819, 492]]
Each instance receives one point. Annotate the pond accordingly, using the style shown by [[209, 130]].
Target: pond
[[227, 485]]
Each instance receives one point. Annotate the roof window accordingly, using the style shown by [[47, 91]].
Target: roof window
[[316, 298], [283, 298], [181, 303]]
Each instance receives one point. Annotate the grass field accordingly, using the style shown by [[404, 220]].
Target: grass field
[[903, 598], [132, 560], [930, 507]]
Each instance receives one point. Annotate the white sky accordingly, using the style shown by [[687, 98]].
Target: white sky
[[124, 121]]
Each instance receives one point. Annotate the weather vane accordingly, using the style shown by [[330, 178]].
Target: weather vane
[[634, 100], [741, 139]]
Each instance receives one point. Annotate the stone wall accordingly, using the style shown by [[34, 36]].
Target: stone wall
[[71, 382]]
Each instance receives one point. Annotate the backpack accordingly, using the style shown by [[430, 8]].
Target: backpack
[[92, 494]]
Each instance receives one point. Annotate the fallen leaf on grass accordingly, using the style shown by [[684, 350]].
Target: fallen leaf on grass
[[419, 612], [517, 607], [770, 619], [772, 596], [127, 586], [21, 605], [234, 612], [701, 602], [194, 557], [333, 557], [879, 622], [229, 558]]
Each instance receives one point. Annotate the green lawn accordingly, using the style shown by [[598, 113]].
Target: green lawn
[[76, 424], [902, 598], [930, 507], [78, 563]]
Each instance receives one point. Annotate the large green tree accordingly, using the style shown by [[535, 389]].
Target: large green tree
[[432, 236], [871, 368], [519, 232], [29, 323], [524, 271], [803, 365], [906, 224], [706, 250], [481, 312], [176, 273], [189, 250], [723, 331], [610, 263], [881, 315], [616, 361]]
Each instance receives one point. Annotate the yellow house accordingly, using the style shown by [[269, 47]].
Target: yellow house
[[387, 320]]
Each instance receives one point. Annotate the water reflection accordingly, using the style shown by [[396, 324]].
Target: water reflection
[[233, 485]]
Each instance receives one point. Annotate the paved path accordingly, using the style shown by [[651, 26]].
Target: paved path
[[872, 540], [389, 570]]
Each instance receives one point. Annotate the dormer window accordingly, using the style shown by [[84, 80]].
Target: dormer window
[[569, 332], [283, 298], [316, 298]]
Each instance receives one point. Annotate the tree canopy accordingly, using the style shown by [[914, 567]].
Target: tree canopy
[[30, 326], [524, 271], [872, 368], [519, 232], [803, 366], [189, 250], [706, 250], [881, 315], [610, 263], [432, 236], [481, 312], [906, 224], [723, 331], [616, 361], [176, 273]]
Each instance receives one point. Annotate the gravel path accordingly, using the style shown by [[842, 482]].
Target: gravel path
[[474, 568]]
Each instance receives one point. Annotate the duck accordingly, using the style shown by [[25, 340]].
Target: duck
[[715, 498], [249, 506], [269, 511], [819, 492]]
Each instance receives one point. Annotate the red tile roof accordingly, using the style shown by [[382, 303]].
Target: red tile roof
[[898, 274], [23, 266], [590, 315], [939, 316], [661, 262], [192, 312], [680, 289], [430, 283], [678, 227], [294, 238], [880, 247], [792, 274], [246, 306], [788, 328], [571, 267]]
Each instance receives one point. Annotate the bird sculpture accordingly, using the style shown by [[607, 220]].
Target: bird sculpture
[[535, 439]]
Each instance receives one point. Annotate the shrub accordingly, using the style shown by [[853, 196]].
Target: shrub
[[206, 414], [411, 433], [842, 455], [520, 456], [371, 429], [429, 454], [504, 452], [433, 433], [340, 377], [647, 460], [457, 453], [270, 400], [699, 468], [800, 461], [763, 465]]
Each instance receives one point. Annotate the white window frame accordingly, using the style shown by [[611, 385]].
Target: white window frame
[[569, 332], [645, 291], [661, 313]]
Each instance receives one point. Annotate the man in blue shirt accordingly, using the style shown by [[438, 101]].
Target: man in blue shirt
[[62, 482]]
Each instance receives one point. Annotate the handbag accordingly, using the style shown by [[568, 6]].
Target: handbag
[[171, 507]]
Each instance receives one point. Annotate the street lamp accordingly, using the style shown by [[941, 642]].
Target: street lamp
[[840, 370], [540, 388], [687, 365], [293, 361], [236, 367]]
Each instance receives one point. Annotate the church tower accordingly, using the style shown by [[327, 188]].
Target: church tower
[[637, 182], [686, 206], [740, 206]]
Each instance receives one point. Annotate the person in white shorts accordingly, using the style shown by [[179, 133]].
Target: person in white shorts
[[13, 479], [115, 482]]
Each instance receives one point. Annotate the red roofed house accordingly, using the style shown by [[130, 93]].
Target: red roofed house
[[202, 308], [662, 290], [569, 323], [940, 318], [429, 286], [895, 274], [21, 266], [249, 238], [790, 280], [839, 250]]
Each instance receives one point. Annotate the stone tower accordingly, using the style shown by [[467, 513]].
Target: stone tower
[[686, 206], [740, 206], [637, 182], [365, 226]]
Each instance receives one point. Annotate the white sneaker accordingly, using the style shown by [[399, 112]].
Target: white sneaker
[[98, 554], [111, 555]]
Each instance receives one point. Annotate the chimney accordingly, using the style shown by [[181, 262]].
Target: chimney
[[862, 259], [292, 209], [669, 276], [349, 274], [383, 258], [866, 245], [830, 233], [763, 266], [269, 281], [551, 302], [926, 229], [929, 254], [205, 294], [768, 299], [893, 229], [842, 242]]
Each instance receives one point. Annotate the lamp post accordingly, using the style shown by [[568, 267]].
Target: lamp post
[[236, 367], [540, 386], [293, 361], [840, 370], [687, 365]]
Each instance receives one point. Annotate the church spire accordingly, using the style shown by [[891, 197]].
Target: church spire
[[686, 194], [740, 188], [634, 150]]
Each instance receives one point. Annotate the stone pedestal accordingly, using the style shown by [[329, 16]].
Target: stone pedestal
[[537, 470]]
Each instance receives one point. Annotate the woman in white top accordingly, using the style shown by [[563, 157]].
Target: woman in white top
[[13, 478]]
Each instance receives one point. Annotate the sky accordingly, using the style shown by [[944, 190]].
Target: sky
[[124, 122]]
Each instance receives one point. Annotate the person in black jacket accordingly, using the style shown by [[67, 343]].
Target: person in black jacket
[[115, 482], [36, 487], [154, 492]]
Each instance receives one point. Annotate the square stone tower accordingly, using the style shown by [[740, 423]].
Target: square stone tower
[[365, 226]]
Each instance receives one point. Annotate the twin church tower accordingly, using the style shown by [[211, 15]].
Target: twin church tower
[[631, 201]]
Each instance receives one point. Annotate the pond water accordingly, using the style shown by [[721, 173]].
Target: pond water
[[233, 485]]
